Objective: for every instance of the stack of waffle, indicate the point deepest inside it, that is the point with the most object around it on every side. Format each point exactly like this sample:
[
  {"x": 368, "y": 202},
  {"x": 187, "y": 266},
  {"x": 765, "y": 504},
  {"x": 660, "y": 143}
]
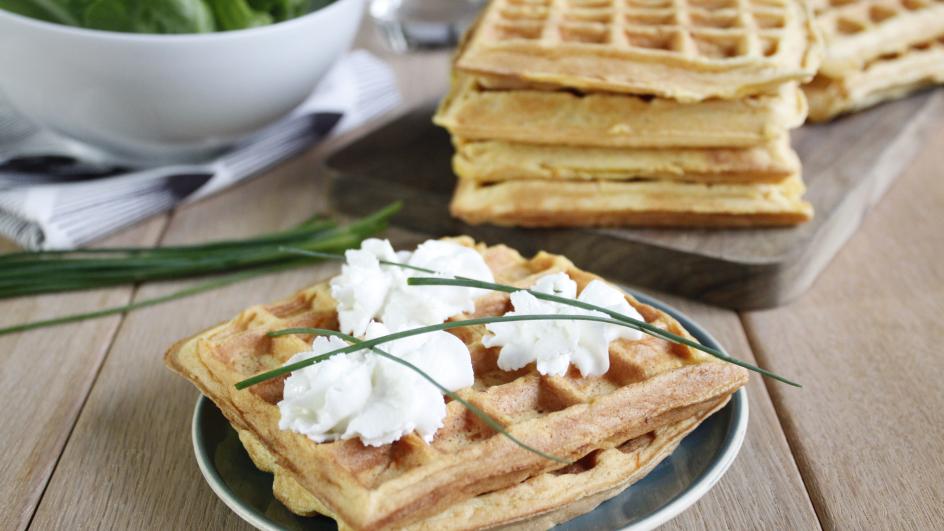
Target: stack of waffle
[
  {"x": 631, "y": 112},
  {"x": 615, "y": 428},
  {"x": 876, "y": 50}
]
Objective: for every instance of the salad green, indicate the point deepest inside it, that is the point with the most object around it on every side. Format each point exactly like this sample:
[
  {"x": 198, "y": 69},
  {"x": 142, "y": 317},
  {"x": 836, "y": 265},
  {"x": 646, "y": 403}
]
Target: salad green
[{"x": 163, "y": 16}]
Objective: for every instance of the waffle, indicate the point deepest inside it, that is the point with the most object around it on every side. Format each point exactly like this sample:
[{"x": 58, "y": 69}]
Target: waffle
[
  {"x": 857, "y": 32},
  {"x": 473, "y": 112},
  {"x": 643, "y": 203},
  {"x": 889, "y": 77},
  {"x": 688, "y": 50},
  {"x": 651, "y": 385},
  {"x": 536, "y": 503},
  {"x": 496, "y": 161}
]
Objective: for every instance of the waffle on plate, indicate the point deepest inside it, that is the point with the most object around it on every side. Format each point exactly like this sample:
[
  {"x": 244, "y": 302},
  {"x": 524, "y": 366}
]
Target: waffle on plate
[
  {"x": 615, "y": 427},
  {"x": 688, "y": 50}
]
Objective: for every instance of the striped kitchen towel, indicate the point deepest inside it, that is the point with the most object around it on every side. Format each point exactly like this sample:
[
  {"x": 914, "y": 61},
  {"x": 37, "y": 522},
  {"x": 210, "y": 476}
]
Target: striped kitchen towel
[{"x": 64, "y": 212}]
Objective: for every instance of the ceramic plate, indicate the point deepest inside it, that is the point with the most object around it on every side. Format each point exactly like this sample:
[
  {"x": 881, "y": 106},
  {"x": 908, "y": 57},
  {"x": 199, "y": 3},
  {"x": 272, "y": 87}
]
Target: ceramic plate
[{"x": 674, "y": 485}]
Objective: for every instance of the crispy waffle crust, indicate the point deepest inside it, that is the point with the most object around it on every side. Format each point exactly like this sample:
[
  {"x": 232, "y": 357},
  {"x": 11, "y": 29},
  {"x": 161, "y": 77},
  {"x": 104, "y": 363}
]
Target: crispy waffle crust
[
  {"x": 536, "y": 203},
  {"x": 889, "y": 77},
  {"x": 653, "y": 394},
  {"x": 496, "y": 161},
  {"x": 688, "y": 50},
  {"x": 536, "y": 503},
  {"x": 857, "y": 32},
  {"x": 473, "y": 111},
  {"x": 876, "y": 50}
]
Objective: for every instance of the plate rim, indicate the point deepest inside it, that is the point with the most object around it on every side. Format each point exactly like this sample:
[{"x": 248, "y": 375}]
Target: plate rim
[{"x": 731, "y": 446}]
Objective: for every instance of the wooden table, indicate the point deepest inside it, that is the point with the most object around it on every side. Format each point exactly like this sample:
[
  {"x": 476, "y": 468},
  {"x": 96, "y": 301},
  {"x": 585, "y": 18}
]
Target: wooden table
[{"x": 95, "y": 432}]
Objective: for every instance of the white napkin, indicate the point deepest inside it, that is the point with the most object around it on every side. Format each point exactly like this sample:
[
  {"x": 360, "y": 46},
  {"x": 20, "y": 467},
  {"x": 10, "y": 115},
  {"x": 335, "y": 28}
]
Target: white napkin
[{"x": 359, "y": 87}]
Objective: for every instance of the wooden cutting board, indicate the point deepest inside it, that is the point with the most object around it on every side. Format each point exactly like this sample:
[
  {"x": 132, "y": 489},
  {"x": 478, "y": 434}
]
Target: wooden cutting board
[{"x": 848, "y": 165}]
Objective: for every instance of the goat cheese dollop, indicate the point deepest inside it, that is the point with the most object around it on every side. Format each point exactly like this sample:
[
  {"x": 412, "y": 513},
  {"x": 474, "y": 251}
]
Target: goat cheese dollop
[
  {"x": 362, "y": 394},
  {"x": 554, "y": 345},
  {"x": 368, "y": 290}
]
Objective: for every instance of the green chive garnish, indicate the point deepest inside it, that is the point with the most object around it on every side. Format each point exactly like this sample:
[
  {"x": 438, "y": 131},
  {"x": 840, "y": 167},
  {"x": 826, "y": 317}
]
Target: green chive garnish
[
  {"x": 37, "y": 272},
  {"x": 642, "y": 326},
  {"x": 625, "y": 320},
  {"x": 31, "y": 273}
]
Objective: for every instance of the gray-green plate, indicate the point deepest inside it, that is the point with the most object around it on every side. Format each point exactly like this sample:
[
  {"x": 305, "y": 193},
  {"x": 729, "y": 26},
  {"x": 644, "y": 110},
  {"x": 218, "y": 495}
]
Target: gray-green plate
[{"x": 674, "y": 485}]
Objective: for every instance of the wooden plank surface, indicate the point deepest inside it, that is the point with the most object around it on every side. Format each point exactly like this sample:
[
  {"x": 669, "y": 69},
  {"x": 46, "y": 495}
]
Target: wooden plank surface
[
  {"x": 45, "y": 376},
  {"x": 868, "y": 429}
]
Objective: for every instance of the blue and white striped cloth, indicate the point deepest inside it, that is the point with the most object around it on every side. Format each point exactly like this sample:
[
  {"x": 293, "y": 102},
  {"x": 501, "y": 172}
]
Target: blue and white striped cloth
[{"x": 67, "y": 215}]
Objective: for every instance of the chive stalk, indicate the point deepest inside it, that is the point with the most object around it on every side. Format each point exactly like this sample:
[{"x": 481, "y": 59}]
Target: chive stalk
[{"x": 61, "y": 271}]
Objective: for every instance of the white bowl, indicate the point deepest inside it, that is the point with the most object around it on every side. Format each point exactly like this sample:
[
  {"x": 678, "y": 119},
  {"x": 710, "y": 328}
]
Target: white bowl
[{"x": 163, "y": 97}]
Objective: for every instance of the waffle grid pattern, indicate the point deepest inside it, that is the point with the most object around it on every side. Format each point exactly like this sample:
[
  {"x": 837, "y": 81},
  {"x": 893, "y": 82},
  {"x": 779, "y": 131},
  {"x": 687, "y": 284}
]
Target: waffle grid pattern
[
  {"x": 687, "y": 50},
  {"x": 397, "y": 480},
  {"x": 856, "y": 32},
  {"x": 702, "y": 30},
  {"x": 886, "y": 77},
  {"x": 851, "y": 17}
]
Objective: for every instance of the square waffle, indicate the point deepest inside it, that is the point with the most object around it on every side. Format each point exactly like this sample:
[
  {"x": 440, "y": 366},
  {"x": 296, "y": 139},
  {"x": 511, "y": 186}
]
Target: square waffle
[
  {"x": 652, "y": 385},
  {"x": 474, "y": 112},
  {"x": 539, "y": 502},
  {"x": 891, "y": 76},
  {"x": 688, "y": 50},
  {"x": 496, "y": 161},
  {"x": 857, "y": 32},
  {"x": 535, "y": 203}
]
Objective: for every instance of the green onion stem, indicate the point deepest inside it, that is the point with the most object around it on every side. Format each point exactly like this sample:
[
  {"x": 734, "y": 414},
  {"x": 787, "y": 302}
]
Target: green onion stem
[
  {"x": 642, "y": 326},
  {"x": 334, "y": 256},
  {"x": 260, "y": 260},
  {"x": 33, "y": 273},
  {"x": 186, "y": 292},
  {"x": 304, "y": 230},
  {"x": 369, "y": 343},
  {"x": 483, "y": 416}
]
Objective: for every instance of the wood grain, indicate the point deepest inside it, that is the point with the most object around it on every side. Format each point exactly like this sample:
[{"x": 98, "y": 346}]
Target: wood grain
[
  {"x": 46, "y": 375},
  {"x": 846, "y": 166},
  {"x": 868, "y": 428}
]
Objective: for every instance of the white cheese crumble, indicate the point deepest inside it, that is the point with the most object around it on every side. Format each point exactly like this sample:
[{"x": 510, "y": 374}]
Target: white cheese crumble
[
  {"x": 367, "y": 290},
  {"x": 554, "y": 345},
  {"x": 364, "y": 395}
]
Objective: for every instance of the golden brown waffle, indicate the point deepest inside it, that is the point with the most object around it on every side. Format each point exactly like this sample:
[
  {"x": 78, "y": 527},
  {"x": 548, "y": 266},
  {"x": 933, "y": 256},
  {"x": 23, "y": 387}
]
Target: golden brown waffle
[
  {"x": 641, "y": 203},
  {"x": 651, "y": 385},
  {"x": 688, "y": 50},
  {"x": 889, "y": 77},
  {"x": 496, "y": 161},
  {"x": 857, "y": 32},
  {"x": 536, "y": 503},
  {"x": 598, "y": 119}
]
